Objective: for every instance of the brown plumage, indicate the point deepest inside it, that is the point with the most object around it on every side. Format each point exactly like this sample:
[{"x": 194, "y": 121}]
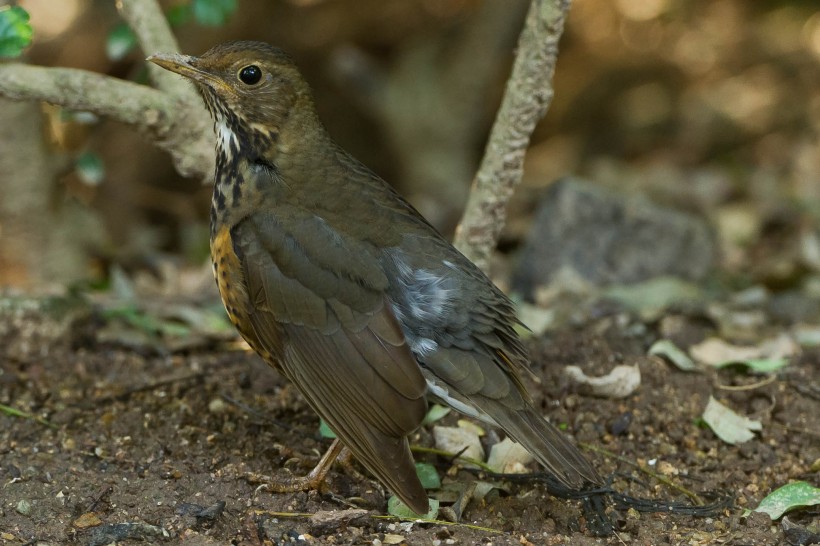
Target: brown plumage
[{"x": 342, "y": 286}]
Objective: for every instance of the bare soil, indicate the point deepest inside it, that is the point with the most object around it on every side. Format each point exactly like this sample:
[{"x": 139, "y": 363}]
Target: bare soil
[{"x": 158, "y": 448}]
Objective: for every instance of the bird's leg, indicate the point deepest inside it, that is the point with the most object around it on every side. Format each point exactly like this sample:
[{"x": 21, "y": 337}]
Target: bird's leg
[
  {"x": 346, "y": 460},
  {"x": 313, "y": 480}
]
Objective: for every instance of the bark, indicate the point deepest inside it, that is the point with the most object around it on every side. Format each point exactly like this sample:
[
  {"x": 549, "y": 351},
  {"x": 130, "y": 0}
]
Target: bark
[
  {"x": 42, "y": 239},
  {"x": 526, "y": 99}
]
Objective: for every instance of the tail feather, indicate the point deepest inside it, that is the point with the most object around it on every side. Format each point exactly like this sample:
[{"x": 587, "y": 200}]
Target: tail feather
[{"x": 546, "y": 443}]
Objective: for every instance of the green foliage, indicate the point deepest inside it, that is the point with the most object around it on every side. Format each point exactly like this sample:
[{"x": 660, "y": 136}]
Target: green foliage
[
  {"x": 90, "y": 168},
  {"x": 325, "y": 431},
  {"x": 428, "y": 476},
  {"x": 213, "y": 13},
  {"x": 668, "y": 350},
  {"x": 435, "y": 413},
  {"x": 15, "y": 31},
  {"x": 400, "y": 510},
  {"x": 788, "y": 497},
  {"x": 145, "y": 322},
  {"x": 178, "y": 15},
  {"x": 121, "y": 40},
  {"x": 758, "y": 365}
]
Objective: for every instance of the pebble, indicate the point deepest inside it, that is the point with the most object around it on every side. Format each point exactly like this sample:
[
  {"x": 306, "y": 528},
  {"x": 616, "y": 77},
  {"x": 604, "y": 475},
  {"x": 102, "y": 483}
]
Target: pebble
[{"x": 23, "y": 507}]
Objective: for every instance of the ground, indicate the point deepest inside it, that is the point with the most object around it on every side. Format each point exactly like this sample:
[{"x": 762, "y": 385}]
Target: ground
[{"x": 158, "y": 446}]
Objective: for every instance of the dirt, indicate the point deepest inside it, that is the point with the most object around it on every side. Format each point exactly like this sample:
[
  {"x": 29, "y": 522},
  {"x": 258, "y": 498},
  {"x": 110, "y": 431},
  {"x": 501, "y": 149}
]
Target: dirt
[{"x": 144, "y": 447}]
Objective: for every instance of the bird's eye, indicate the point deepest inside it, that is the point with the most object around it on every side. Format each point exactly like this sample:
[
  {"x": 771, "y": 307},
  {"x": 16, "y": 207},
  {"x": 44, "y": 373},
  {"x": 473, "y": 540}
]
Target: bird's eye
[{"x": 250, "y": 74}]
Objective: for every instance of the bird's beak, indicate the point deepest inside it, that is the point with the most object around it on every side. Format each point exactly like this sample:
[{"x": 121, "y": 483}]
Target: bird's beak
[{"x": 185, "y": 65}]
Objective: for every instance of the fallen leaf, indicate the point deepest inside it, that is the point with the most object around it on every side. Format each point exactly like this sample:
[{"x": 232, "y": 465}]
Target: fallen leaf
[
  {"x": 397, "y": 508},
  {"x": 763, "y": 358},
  {"x": 89, "y": 519},
  {"x": 790, "y": 496},
  {"x": 668, "y": 350},
  {"x": 459, "y": 440},
  {"x": 650, "y": 298},
  {"x": 728, "y": 425},
  {"x": 807, "y": 336},
  {"x": 537, "y": 319},
  {"x": 435, "y": 413},
  {"x": 509, "y": 457},
  {"x": 428, "y": 476},
  {"x": 619, "y": 383}
]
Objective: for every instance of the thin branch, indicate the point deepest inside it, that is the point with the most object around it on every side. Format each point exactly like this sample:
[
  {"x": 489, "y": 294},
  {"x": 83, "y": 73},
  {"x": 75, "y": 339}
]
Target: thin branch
[
  {"x": 177, "y": 126},
  {"x": 77, "y": 89},
  {"x": 694, "y": 497},
  {"x": 526, "y": 99},
  {"x": 154, "y": 35}
]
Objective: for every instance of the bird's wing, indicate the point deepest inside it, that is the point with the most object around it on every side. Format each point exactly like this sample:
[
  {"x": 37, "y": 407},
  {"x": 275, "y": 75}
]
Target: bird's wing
[
  {"x": 462, "y": 329},
  {"x": 317, "y": 304}
]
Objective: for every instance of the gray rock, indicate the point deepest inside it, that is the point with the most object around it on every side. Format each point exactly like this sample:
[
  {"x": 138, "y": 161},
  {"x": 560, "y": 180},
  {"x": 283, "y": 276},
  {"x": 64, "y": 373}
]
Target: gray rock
[{"x": 608, "y": 238}]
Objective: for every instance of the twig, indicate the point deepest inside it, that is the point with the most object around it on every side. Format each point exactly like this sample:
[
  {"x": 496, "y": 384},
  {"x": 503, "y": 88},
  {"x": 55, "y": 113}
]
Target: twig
[
  {"x": 77, "y": 89},
  {"x": 443, "y": 522},
  {"x": 175, "y": 127},
  {"x": 14, "y": 412},
  {"x": 162, "y": 382},
  {"x": 749, "y": 387},
  {"x": 393, "y": 518},
  {"x": 526, "y": 99},
  {"x": 694, "y": 497},
  {"x": 442, "y": 453},
  {"x": 154, "y": 35}
]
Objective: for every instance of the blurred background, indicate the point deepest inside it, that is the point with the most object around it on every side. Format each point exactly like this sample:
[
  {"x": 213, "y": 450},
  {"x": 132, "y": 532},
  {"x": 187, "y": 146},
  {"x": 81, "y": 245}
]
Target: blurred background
[{"x": 708, "y": 107}]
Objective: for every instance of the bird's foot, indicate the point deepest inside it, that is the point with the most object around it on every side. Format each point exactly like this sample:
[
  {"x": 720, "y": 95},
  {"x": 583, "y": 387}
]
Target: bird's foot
[
  {"x": 346, "y": 460},
  {"x": 292, "y": 484}
]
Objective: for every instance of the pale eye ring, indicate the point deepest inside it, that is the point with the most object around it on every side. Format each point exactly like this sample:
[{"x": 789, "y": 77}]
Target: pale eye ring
[{"x": 250, "y": 75}]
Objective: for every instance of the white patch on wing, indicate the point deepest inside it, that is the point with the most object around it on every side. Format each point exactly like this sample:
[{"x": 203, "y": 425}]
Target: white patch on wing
[
  {"x": 422, "y": 346},
  {"x": 429, "y": 295},
  {"x": 441, "y": 393}
]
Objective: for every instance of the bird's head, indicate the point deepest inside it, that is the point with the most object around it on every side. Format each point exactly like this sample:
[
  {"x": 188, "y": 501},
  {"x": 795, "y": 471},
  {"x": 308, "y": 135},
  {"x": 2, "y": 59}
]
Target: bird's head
[{"x": 251, "y": 88}]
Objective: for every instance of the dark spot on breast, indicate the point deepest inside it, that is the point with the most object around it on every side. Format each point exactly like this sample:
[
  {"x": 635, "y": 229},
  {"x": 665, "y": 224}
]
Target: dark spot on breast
[{"x": 219, "y": 199}]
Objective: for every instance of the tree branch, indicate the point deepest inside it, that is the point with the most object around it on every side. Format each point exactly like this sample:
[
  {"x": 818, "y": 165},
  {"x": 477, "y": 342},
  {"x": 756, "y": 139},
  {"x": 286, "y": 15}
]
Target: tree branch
[
  {"x": 176, "y": 126},
  {"x": 526, "y": 99},
  {"x": 154, "y": 35}
]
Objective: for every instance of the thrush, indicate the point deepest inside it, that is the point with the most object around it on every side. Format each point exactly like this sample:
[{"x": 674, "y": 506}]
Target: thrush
[{"x": 343, "y": 287}]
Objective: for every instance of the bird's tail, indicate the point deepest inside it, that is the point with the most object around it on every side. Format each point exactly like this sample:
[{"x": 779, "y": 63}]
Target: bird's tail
[{"x": 547, "y": 444}]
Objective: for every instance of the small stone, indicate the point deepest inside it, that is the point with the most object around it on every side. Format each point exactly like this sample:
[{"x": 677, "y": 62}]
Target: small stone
[
  {"x": 23, "y": 507},
  {"x": 217, "y": 405},
  {"x": 89, "y": 519},
  {"x": 606, "y": 237}
]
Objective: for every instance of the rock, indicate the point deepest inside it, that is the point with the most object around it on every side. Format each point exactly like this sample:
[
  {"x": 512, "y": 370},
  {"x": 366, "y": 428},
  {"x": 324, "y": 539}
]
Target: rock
[{"x": 608, "y": 238}]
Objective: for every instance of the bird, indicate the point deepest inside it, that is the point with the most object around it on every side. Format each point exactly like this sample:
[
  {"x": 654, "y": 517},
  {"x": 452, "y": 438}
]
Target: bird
[{"x": 338, "y": 283}]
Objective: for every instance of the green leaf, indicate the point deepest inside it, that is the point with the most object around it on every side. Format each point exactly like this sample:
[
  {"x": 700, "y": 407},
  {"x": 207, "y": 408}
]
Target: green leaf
[
  {"x": 15, "y": 31},
  {"x": 789, "y": 497},
  {"x": 213, "y": 13},
  {"x": 668, "y": 350},
  {"x": 120, "y": 41},
  {"x": 428, "y": 476},
  {"x": 400, "y": 510},
  {"x": 325, "y": 431},
  {"x": 178, "y": 15},
  {"x": 758, "y": 365},
  {"x": 144, "y": 322},
  {"x": 728, "y": 425},
  {"x": 650, "y": 298},
  {"x": 435, "y": 413},
  {"x": 90, "y": 168}
]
